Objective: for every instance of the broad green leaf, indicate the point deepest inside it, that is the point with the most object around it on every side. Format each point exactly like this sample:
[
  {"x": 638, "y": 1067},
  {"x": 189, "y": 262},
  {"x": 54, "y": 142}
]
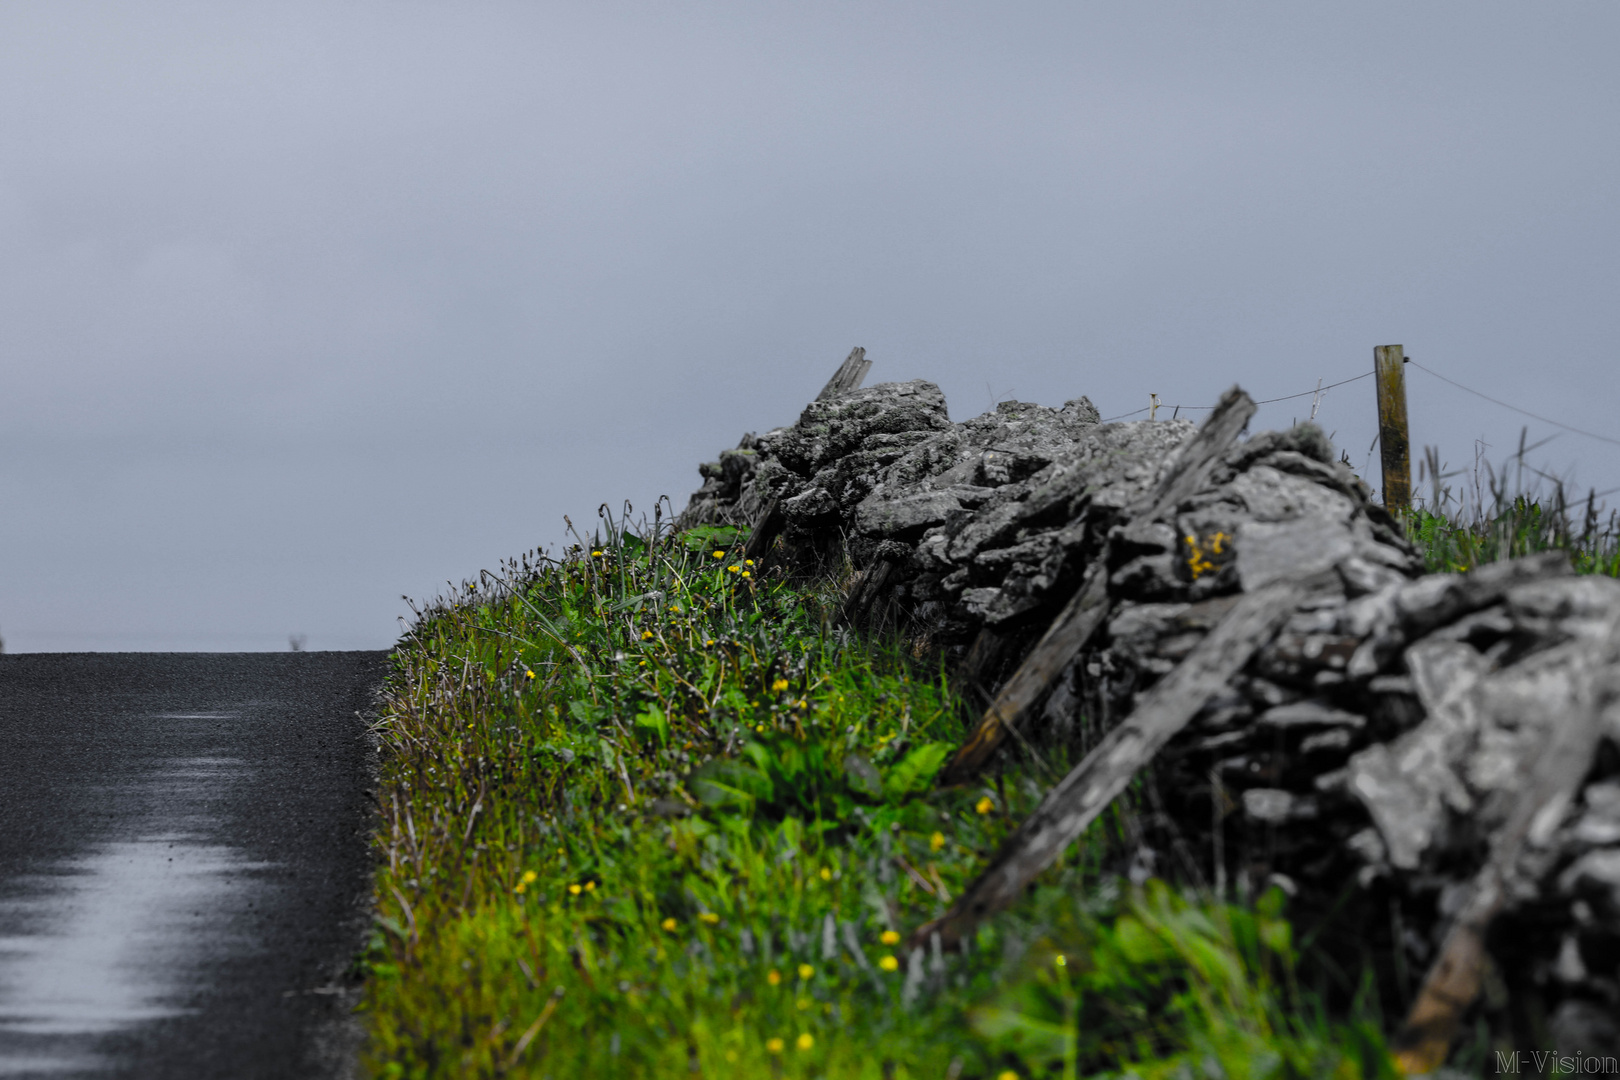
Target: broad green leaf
[
  {"x": 653, "y": 721},
  {"x": 707, "y": 537},
  {"x": 916, "y": 771}
]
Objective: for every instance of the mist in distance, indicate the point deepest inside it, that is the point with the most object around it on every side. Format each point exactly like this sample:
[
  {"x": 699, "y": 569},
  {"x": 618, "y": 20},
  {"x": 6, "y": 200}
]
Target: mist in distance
[{"x": 306, "y": 306}]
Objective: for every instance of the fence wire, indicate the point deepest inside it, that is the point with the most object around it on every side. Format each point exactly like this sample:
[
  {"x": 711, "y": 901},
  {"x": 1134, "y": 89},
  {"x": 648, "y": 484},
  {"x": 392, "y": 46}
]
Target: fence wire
[{"x": 1175, "y": 409}]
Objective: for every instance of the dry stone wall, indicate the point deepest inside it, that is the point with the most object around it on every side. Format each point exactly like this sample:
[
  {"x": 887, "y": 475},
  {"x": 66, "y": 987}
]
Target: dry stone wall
[{"x": 1379, "y": 743}]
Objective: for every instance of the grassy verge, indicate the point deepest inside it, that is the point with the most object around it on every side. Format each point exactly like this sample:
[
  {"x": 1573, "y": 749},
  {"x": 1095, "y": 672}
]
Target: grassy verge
[{"x": 649, "y": 814}]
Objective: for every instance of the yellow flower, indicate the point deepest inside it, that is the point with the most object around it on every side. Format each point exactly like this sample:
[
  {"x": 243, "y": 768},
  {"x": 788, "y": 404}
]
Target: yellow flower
[
  {"x": 779, "y": 685},
  {"x": 1008, "y": 1075},
  {"x": 527, "y": 674},
  {"x": 826, "y": 874},
  {"x": 806, "y": 1041},
  {"x": 747, "y": 574},
  {"x": 709, "y": 641},
  {"x": 719, "y": 554},
  {"x": 889, "y": 937},
  {"x": 749, "y": 562},
  {"x": 775, "y": 1046},
  {"x": 519, "y": 887},
  {"x": 669, "y": 925},
  {"x": 1060, "y": 960},
  {"x": 573, "y": 890},
  {"x": 889, "y": 963},
  {"x": 984, "y": 805},
  {"x": 675, "y": 608},
  {"x": 709, "y": 917},
  {"x": 773, "y": 977},
  {"x": 806, "y": 971},
  {"x": 734, "y": 569},
  {"x": 759, "y": 727},
  {"x": 936, "y": 841},
  {"x": 646, "y": 635},
  {"x": 529, "y": 876},
  {"x": 594, "y": 554}
]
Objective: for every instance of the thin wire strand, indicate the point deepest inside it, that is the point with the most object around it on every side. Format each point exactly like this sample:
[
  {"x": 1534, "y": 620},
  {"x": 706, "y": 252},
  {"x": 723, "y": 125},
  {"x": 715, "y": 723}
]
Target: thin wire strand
[
  {"x": 1366, "y": 374},
  {"x": 1267, "y": 401},
  {"x": 1515, "y": 408}
]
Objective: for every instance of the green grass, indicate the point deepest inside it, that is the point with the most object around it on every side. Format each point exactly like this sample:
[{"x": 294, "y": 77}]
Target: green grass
[
  {"x": 646, "y": 813},
  {"x": 1461, "y": 540},
  {"x": 1495, "y": 518}
]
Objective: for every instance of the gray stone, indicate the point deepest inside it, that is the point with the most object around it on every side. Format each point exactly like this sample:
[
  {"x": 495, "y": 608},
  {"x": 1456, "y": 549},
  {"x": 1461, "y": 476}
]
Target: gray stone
[
  {"x": 1310, "y": 713},
  {"x": 880, "y": 515},
  {"x": 1584, "y": 599},
  {"x": 980, "y": 601},
  {"x": 1368, "y": 845},
  {"x": 1336, "y": 741},
  {"x": 1409, "y": 818},
  {"x": 1596, "y": 876},
  {"x": 1270, "y": 551},
  {"x": 810, "y": 503},
  {"x": 1363, "y": 575},
  {"x": 1596, "y": 829},
  {"x": 828, "y": 430},
  {"x": 1603, "y": 798},
  {"x": 1273, "y": 496},
  {"x": 1273, "y": 806}
]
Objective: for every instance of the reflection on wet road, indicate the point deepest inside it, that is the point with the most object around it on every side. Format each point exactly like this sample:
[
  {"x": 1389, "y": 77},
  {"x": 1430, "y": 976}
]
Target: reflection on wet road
[
  {"x": 109, "y": 938},
  {"x": 169, "y": 914}
]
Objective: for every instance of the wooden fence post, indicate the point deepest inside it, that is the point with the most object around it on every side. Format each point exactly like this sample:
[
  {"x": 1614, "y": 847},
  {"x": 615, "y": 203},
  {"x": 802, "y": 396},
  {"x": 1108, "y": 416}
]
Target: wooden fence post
[{"x": 1394, "y": 445}]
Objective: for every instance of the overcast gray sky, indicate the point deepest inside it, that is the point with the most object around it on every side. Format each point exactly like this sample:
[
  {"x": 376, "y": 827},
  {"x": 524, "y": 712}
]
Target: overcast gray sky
[{"x": 307, "y": 306}]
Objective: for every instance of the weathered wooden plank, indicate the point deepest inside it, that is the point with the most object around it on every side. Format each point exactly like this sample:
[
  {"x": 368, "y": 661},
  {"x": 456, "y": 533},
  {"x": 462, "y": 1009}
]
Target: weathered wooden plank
[
  {"x": 765, "y": 532},
  {"x": 849, "y": 376},
  {"x": 1453, "y": 983},
  {"x": 1061, "y": 643},
  {"x": 1394, "y": 445},
  {"x": 1083, "y": 794},
  {"x": 864, "y": 592},
  {"x": 1089, "y": 607},
  {"x": 986, "y": 652}
]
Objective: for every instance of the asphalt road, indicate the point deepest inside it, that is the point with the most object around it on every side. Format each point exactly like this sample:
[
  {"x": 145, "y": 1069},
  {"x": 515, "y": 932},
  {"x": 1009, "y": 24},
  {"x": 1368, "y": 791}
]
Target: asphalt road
[{"x": 183, "y": 862}]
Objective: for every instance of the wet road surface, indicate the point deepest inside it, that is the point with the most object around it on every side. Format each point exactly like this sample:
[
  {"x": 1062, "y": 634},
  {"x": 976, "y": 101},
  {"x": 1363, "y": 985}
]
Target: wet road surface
[{"x": 183, "y": 862}]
